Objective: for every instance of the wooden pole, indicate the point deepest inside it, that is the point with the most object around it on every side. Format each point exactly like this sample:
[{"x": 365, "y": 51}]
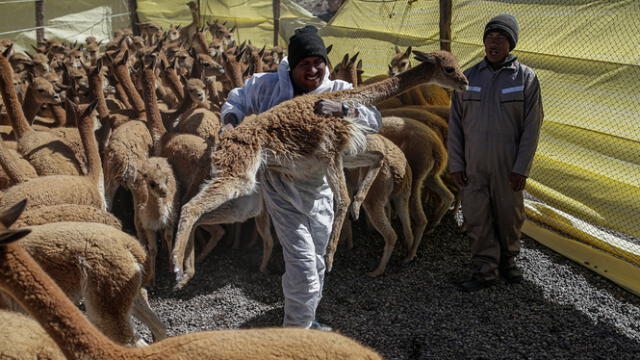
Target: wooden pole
[
  {"x": 40, "y": 22},
  {"x": 446, "y": 9},
  {"x": 276, "y": 22},
  {"x": 133, "y": 16}
]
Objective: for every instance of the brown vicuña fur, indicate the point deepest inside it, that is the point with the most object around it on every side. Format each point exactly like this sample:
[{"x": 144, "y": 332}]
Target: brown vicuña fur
[
  {"x": 300, "y": 143},
  {"x": 156, "y": 198},
  {"x": 39, "y": 92},
  {"x": 25, "y": 280},
  {"x": 66, "y": 189},
  {"x": 46, "y": 152},
  {"x": 101, "y": 266},
  {"x": 427, "y": 157},
  {"x": 433, "y": 121},
  {"x": 22, "y": 338},
  {"x": 13, "y": 168},
  {"x": 65, "y": 213},
  {"x": 392, "y": 185},
  {"x": 129, "y": 143}
]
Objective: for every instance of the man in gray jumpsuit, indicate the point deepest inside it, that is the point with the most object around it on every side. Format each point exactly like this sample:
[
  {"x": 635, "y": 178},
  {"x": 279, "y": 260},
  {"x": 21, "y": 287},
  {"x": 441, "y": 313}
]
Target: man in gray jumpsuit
[
  {"x": 493, "y": 135},
  {"x": 302, "y": 210}
]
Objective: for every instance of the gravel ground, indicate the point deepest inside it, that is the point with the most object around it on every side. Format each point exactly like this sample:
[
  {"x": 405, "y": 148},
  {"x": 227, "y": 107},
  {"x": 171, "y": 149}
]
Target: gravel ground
[{"x": 561, "y": 310}]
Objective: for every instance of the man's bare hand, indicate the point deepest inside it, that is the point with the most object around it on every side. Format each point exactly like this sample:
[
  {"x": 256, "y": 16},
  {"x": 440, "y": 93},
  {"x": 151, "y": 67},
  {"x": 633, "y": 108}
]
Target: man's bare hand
[
  {"x": 328, "y": 107},
  {"x": 460, "y": 178},
  {"x": 517, "y": 181},
  {"x": 230, "y": 119}
]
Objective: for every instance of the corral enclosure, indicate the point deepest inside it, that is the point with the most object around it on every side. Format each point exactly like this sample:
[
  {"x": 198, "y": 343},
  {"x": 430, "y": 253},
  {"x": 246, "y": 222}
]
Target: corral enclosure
[
  {"x": 584, "y": 183},
  {"x": 583, "y": 194}
]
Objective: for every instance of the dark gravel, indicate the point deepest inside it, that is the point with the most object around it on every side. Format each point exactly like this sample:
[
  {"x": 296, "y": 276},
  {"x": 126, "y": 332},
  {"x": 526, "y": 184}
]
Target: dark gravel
[{"x": 561, "y": 310}]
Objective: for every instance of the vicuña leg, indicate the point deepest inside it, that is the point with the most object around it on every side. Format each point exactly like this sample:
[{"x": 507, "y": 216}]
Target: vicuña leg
[
  {"x": 371, "y": 160},
  {"x": 212, "y": 196},
  {"x": 338, "y": 184}
]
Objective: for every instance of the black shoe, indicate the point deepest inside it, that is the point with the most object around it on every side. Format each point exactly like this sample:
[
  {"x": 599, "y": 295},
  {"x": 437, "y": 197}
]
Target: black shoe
[
  {"x": 476, "y": 283},
  {"x": 512, "y": 275},
  {"x": 317, "y": 326}
]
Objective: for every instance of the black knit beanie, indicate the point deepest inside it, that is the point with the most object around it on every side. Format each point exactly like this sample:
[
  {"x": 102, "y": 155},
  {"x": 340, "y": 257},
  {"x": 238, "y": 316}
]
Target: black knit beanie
[
  {"x": 304, "y": 43},
  {"x": 505, "y": 24}
]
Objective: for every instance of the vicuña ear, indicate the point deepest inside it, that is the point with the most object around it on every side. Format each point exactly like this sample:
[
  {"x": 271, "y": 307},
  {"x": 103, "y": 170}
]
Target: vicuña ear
[
  {"x": 9, "y": 236},
  {"x": 345, "y": 60},
  {"x": 424, "y": 57},
  {"x": 7, "y": 51},
  {"x": 354, "y": 57},
  {"x": 9, "y": 216},
  {"x": 408, "y": 52}
]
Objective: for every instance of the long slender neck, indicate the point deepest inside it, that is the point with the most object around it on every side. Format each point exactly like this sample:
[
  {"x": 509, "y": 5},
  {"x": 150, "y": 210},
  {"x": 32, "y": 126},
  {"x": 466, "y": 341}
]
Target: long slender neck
[
  {"x": 372, "y": 93},
  {"x": 10, "y": 99},
  {"x": 154, "y": 119},
  {"x": 96, "y": 82},
  {"x": 173, "y": 81},
  {"x": 122, "y": 95},
  {"x": 122, "y": 73},
  {"x": 25, "y": 280},
  {"x": 234, "y": 73},
  {"x": 88, "y": 137},
  {"x": 31, "y": 105},
  {"x": 214, "y": 96},
  {"x": 59, "y": 115}
]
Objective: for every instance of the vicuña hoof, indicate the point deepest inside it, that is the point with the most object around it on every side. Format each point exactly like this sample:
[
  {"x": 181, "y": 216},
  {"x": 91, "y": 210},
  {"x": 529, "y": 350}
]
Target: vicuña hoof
[
  {"x": 375, "y": 273},
  {"x": 408, "y": 259},
  {"x": 355, "y": 209}
]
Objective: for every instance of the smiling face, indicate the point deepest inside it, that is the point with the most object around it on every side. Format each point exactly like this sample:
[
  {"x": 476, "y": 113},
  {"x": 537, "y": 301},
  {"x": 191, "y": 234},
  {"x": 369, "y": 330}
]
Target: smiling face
[
  {"x": 309, "y": 73},
  {"x": 496, "y": 47}
]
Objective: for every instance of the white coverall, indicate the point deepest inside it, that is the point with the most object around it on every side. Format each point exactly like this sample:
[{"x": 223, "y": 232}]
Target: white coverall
[{"x": 301, "y": 212}]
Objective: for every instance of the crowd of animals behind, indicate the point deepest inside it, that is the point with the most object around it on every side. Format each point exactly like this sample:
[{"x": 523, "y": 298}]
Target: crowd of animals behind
[{"x": 79, "y": 123}]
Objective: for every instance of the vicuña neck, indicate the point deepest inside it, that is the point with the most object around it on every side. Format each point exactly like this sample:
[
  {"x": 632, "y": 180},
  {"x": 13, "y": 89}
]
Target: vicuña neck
[
  {"x": 31, "y": 105},
  {"x": 154, "y": 119},
  {"x": 381, "y": 90},
  {"x": 88, "y": 138},
  {"x": 122, "y": 74},
  {"x": 97, "y": 88},
  {"x": 11, "y": 102},
  {"x": 43, "y": 299}
]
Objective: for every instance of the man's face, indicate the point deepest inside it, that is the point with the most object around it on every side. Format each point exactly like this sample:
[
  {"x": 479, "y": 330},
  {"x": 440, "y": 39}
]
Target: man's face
[
  {"x": 309, "y": 73},
  {"x": 496, "y": 47}
]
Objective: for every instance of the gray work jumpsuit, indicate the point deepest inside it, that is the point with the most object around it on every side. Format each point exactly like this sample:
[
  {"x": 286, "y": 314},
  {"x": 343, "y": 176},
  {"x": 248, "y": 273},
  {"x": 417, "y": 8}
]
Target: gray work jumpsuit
[{"x": 493, "y": 131}]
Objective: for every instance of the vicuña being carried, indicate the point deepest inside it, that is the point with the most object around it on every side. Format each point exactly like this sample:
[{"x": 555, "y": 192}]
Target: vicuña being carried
[{"x": 292, "y": 139}]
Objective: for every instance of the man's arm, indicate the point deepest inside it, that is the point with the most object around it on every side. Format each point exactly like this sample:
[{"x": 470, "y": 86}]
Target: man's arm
[
  {"x": 533, "y": 115},
  {"x": 369, "y": 116},
  {"x": 238, "y": 103}
]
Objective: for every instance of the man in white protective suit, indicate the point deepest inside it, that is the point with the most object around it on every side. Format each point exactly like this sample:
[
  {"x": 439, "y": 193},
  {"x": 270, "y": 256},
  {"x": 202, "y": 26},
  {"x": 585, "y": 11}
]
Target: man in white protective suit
[{"x": 301, "y": 211}]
